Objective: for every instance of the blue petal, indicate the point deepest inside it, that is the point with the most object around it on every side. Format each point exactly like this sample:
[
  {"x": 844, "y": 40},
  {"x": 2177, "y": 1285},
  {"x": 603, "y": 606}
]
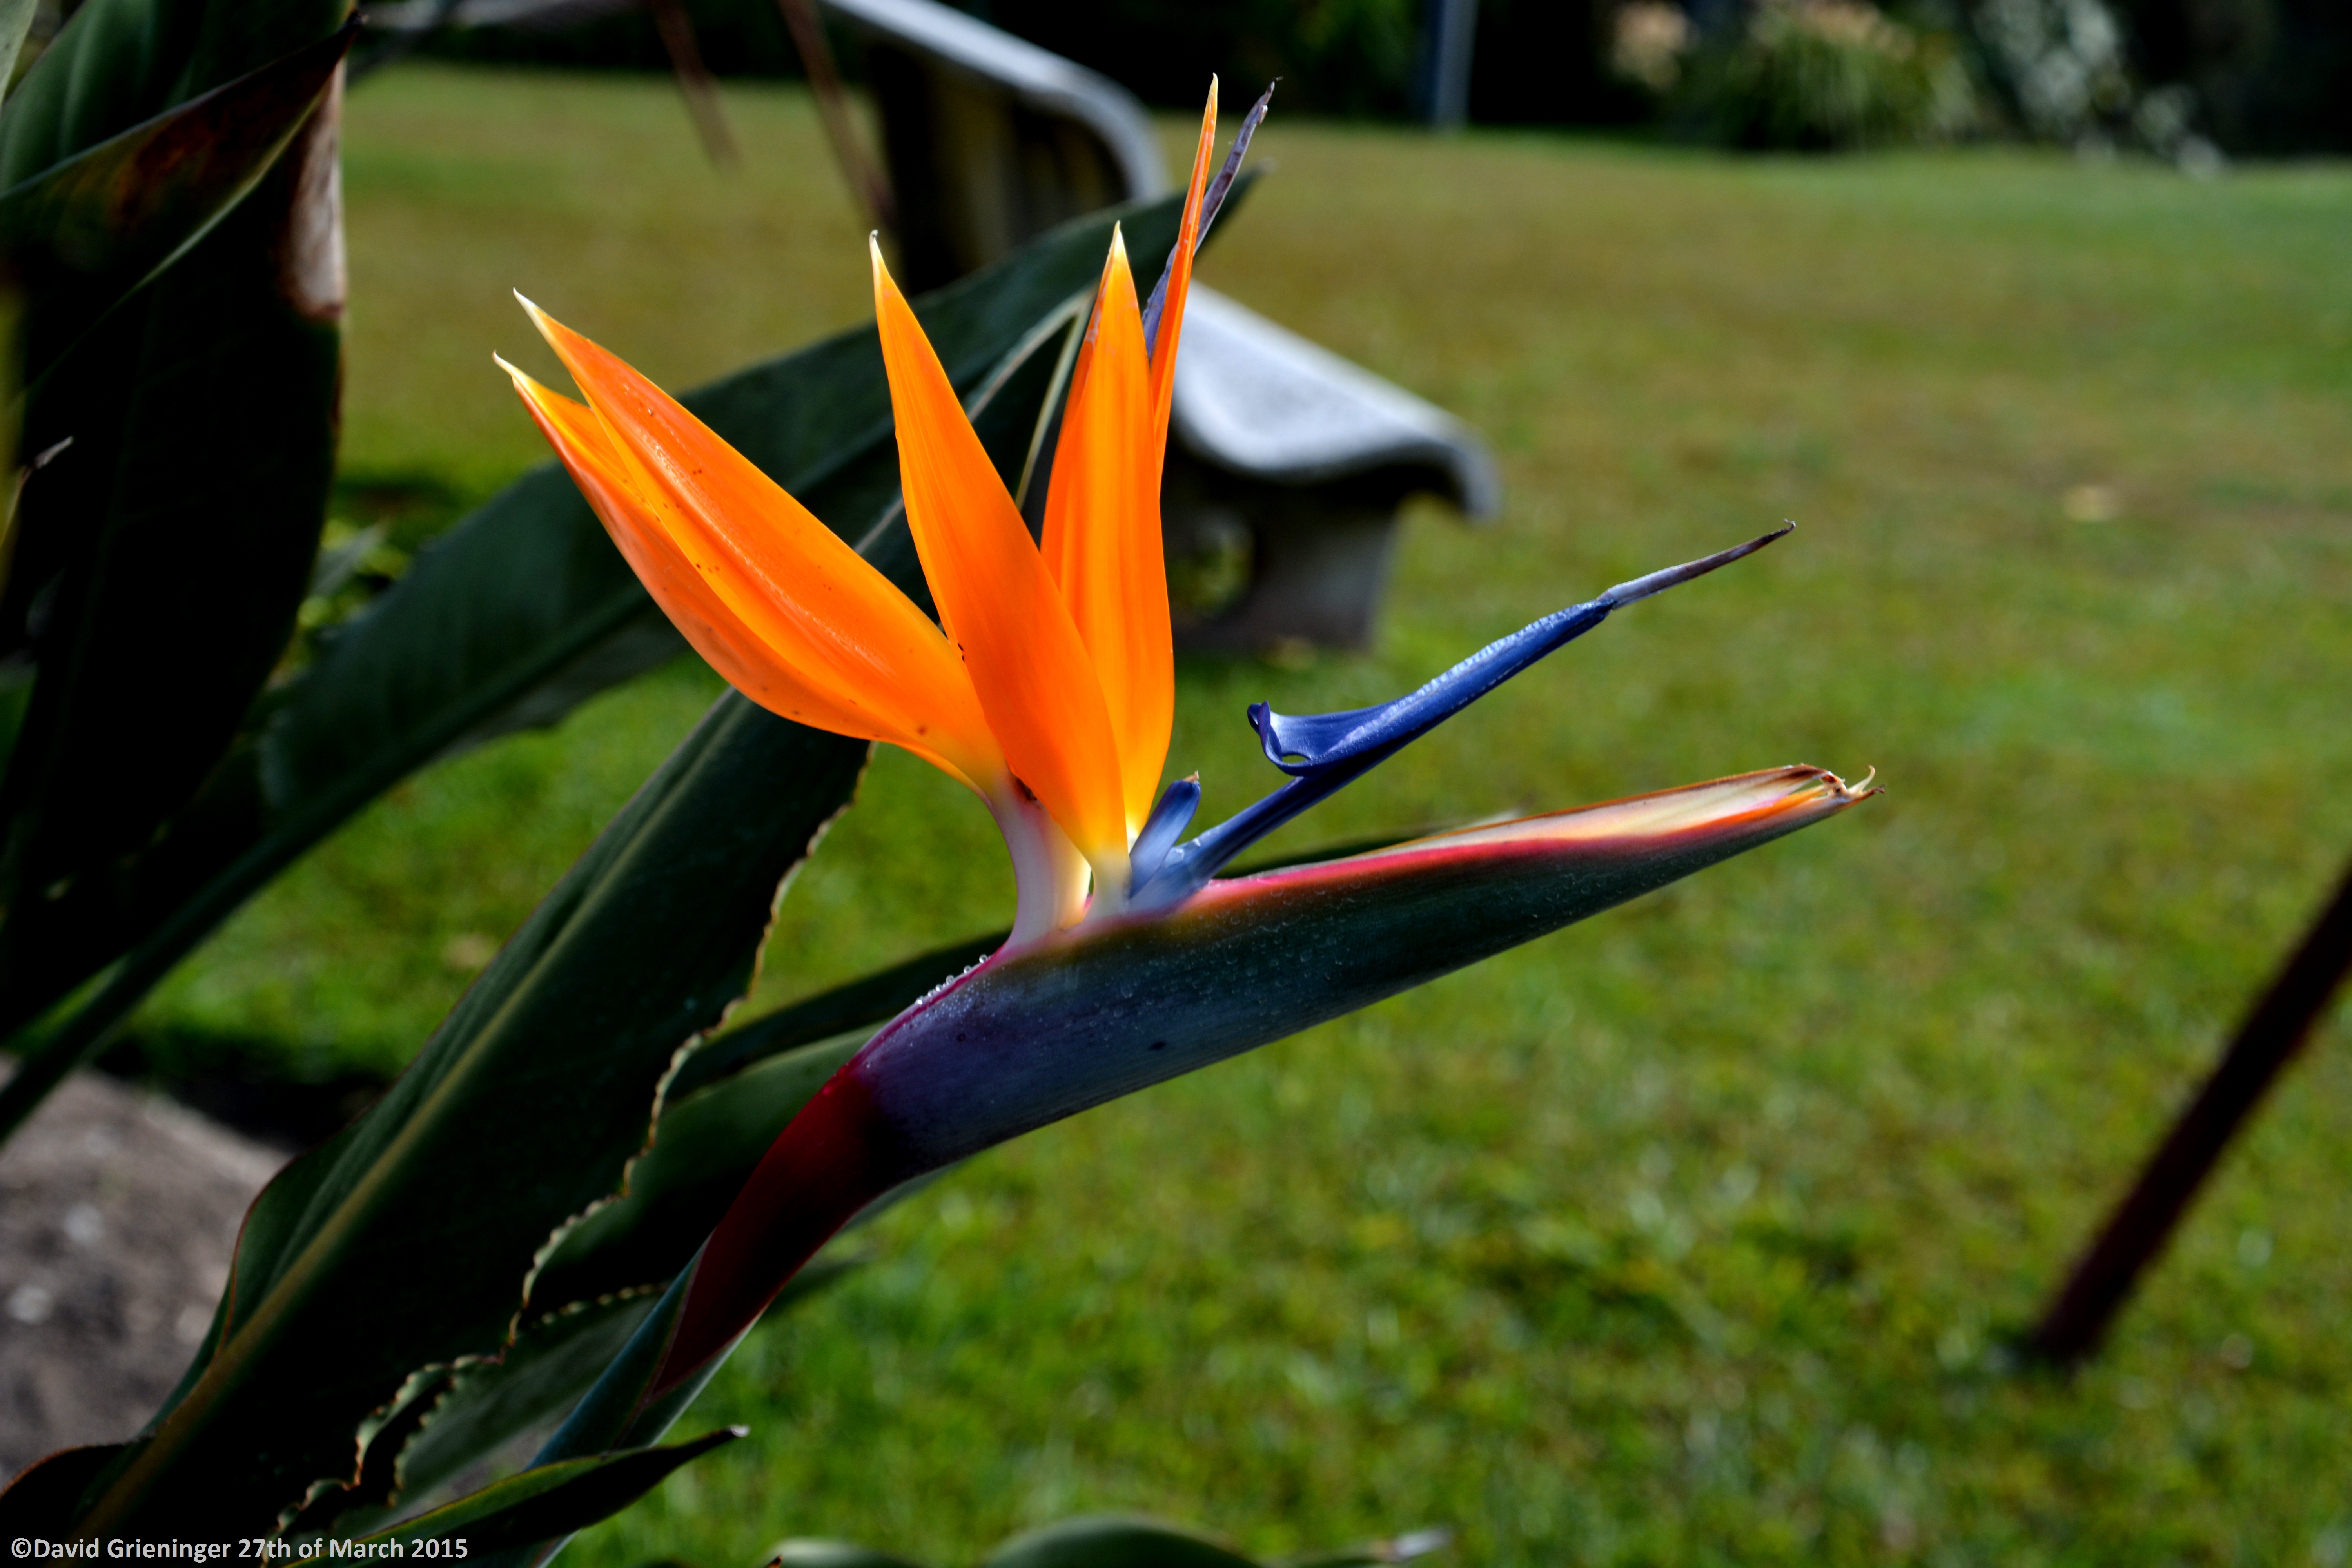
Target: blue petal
[
  {"x": 1163, "y": 829},
  {"x": 1210, "y": 200},
  {"x": 1324, "y": 752}
]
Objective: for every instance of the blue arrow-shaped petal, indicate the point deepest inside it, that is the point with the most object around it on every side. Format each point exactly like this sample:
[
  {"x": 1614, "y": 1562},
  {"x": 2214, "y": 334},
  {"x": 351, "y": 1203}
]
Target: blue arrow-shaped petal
[{"x": 1325, "y": 751}]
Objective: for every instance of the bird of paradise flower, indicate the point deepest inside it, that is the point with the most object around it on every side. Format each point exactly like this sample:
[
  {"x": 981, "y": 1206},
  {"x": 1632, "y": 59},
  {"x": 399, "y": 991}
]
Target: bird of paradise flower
[{"x": 1047, "y": 688}]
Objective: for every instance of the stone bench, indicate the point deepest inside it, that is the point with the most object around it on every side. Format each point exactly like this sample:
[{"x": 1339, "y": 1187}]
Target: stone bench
[{"x": 1289, "y": 463}]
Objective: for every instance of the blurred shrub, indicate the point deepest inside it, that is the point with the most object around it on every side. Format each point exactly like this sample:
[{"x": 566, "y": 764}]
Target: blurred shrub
[
  {"x": 1648, "y": 43},
  {"x": 1808, "y": 75}
]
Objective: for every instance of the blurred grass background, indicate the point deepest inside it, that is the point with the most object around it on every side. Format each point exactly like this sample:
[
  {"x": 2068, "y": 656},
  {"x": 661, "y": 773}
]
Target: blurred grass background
[{"x": 1685, "y": 1236}]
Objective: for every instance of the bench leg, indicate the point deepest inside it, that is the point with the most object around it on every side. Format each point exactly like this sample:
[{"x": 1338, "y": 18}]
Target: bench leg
[{"x": 1316, "y": 568}]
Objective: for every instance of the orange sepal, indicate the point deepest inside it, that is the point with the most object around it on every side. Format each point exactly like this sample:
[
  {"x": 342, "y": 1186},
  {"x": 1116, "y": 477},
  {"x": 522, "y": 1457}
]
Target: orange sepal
[
  {"x": 1102, "y": 536},
  {"x": 837, "y": 633},
  {"x": 1035, "y": 679},
  {"x": 714, "y": 630}
]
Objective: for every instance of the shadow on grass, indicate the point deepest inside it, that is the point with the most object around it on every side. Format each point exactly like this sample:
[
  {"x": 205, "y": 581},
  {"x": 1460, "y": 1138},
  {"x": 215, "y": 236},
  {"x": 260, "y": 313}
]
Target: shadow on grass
[{"x": 254, "y": 1084}]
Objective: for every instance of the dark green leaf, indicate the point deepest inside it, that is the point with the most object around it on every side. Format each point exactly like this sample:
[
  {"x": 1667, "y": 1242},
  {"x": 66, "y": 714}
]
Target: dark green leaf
[
  {"x": 16, "y": 21},
  {"x": 551, "y": 1362},
  {"x": 859, "y": 1004},
  {"x": 159, "y": 560},
  {"x": 551, "y": 1501},
  {"x": 403, "y": 1242},
  {"x": 117, "y": 63},
  {"x": 704, "y": 1147},
  {"x": 77, "y": 237}
]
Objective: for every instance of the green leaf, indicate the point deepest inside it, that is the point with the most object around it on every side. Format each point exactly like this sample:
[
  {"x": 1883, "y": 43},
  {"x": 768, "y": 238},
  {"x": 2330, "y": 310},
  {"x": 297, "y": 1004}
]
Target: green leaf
[
  {"x": 404, "y": 1241},
  {"x": 520, "y": 612},
  {"x": 81, "y": 235},
  {"x": 727, "y": 1101},
  {"x": 1114, "y": 1541},
  {"x": 704, "y": 1146},
  {"x": 602, "y": 1272},
  {"x": 117, "y": 63},
  {"x": 859, "y": 1004},
  {"x": 159, "y": 560},
  {"x": 551, "y": 1501},
  {"x": 552, "y": 1361},
  {"x": 490, "y": 1405},
  {"x": 15, "y": 22}
]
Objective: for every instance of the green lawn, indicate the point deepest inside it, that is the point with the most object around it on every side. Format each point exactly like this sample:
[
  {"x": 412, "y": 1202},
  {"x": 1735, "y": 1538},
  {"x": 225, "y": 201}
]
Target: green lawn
[{"x": 1685, "y": 1236}]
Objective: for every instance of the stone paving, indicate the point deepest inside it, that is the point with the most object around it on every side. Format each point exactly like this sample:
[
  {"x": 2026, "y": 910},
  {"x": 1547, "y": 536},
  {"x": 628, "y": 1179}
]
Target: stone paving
[{"x": 118, "y": 1212}]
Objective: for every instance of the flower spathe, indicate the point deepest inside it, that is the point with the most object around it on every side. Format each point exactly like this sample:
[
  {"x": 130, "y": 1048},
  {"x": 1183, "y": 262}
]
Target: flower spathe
[
  {"x": 1049, "y": 685},
  {"x": 1088, "y": 1015}
]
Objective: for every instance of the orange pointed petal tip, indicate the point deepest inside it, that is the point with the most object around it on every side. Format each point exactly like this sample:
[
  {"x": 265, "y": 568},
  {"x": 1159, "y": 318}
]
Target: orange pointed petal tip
[
  {"x": 792, "y": 616},
  {"x": 1035, "y": 680},
  {"x": 729, "y": 646}
]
